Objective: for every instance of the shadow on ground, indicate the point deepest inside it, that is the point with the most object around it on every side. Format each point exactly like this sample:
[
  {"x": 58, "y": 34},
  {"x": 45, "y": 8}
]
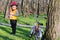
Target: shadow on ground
[
  {"x": 20, "y": 33},
  {"x": 5, "y": 38}
]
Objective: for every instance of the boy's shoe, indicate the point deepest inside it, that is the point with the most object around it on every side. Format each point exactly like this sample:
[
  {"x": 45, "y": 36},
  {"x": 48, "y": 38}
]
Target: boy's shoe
[
  {"x": 30, "y": 35},
  {"x": 12, "y": 33}
]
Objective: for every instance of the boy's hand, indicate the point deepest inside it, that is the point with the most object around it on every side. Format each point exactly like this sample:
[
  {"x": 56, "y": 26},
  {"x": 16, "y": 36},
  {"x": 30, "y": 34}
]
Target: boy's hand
[
  {"x": 11, "y": 13},
  {"x": 10, "y": 16},
  {"x": 36, "y": 30}
]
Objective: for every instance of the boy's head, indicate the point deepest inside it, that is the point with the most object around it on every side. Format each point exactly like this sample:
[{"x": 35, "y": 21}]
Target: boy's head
[
  {"x": 39, "y": 24},
  {"x": 13, "y": 5}
]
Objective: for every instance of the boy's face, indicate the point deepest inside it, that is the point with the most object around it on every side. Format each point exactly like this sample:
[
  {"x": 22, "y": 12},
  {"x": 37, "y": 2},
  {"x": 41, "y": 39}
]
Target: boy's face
[
  {"x": 38, "y": 26},
  {"x": 14, "y": 7}
]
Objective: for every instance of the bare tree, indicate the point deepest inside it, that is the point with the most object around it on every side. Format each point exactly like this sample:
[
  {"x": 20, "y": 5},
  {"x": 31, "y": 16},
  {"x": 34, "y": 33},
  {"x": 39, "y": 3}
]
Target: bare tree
[
  {"x": 7, "y": 6},
  {"x": 22, "y": 7}
]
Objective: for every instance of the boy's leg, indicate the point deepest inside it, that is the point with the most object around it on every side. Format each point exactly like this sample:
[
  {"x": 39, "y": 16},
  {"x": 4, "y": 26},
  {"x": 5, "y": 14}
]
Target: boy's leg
[
  {"x": 13, "y": 25},
  {"x": 40, "y": 34},
  {"x": 11, "y": 22},
  {"x": 31, "y": 33}
]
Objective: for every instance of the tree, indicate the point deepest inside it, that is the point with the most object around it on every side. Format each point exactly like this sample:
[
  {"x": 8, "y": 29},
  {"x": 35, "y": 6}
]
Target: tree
[
  {"x": 22, "y": 7},
  {"x": 53, "y": 22},
  {"x": 7, "y": 6},
  {"x": 38, "y": 9}
]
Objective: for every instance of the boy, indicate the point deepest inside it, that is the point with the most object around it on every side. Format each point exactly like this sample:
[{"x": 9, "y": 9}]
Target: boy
[
  {"x": 36, "y": 30},
  {"x": 13, "y": 16}
]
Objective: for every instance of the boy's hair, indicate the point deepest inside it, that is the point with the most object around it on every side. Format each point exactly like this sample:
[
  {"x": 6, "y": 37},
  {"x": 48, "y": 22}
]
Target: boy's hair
[
  {"x": 13, "y": 3},
  {"x": 40, "y": 23}
]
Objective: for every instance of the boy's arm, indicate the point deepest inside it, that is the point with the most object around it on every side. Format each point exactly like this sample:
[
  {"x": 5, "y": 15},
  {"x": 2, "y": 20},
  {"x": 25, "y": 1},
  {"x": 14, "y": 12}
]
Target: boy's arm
[
  {"x": 17, "y": 14},
  {"x": 42, "y": 27},
  {"x": 8, "y": 14},
  {"x": 33, "y": 27}
]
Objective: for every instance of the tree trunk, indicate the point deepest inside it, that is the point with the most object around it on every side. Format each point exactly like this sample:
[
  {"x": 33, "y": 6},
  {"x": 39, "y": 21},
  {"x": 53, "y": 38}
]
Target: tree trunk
[
  {"x": 53, "y": 21},
  {"x": 38, "y": 9},
  {"x": 22, "y": 7},
  {"x": 7, "y": 6}
]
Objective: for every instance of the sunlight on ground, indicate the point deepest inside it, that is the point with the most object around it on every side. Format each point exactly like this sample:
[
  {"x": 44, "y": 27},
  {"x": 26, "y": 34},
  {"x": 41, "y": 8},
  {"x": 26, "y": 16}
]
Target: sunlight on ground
[{"x": 22, "y": 34}]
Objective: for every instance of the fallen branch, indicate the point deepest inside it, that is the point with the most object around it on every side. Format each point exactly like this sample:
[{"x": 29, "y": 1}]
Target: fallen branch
[{"x": 19, "y": 25}]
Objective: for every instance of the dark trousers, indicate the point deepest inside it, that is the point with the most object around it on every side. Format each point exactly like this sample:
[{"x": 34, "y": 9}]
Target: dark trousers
[{"x": 13, "y": 26}]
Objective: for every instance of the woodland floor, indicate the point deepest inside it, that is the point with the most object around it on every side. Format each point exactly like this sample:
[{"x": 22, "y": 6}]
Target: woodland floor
[{"x": 22, "y": 33}]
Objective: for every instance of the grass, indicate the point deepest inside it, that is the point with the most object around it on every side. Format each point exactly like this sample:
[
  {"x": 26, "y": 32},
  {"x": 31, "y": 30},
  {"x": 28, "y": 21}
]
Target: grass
[
  {"x": 21, "y": 34},
  {"x": 30, "y": 20}
]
